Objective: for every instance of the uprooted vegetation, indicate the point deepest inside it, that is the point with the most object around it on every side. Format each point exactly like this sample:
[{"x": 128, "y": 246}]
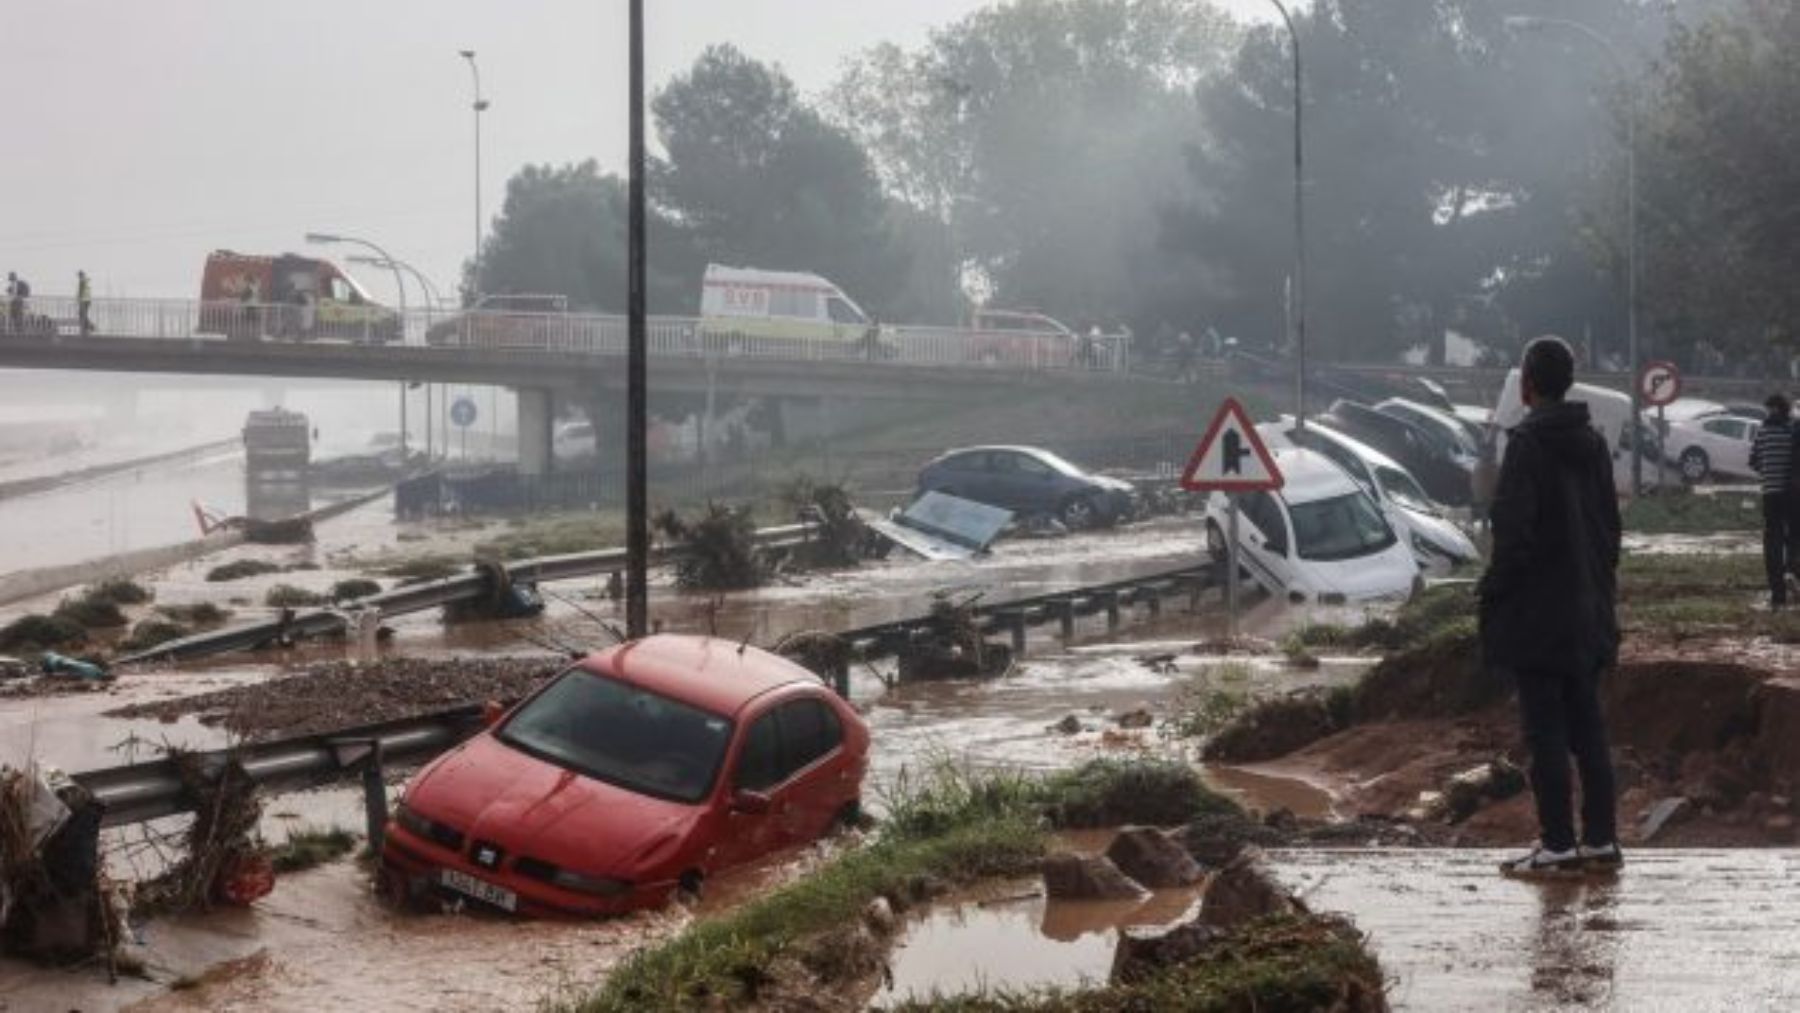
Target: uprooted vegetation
[
  {"x": 31, "y": 634},
  {"x": 307, "y": 847},
  {"x": 289, "y": 596},
  {"x": 840, "y": 537},
  {"x": 238, "y": 569},
  {"x": 200, "y": 615},
  {"x": 716, "y": 551},
  {"x": 951, "y": 645},
  {"x": 353, "y": 588},
  {"x": 813, "y": 945},
  {"x": 150, "y": 633}
]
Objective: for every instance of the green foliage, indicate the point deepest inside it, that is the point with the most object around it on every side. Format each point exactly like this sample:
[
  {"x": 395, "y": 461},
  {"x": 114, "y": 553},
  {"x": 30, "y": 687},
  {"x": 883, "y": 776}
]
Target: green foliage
[
  {"x": 1718, "y": 168},
  {"x": 352, "y": 588},
  {"x": 718, "y": 550},
  {"x": 311, "y": 846},
  {"x": 91, "y": 612},
  {"x": 241, "y": 568},
  {"x": 1693, "y": 514},
  {"x": 1201, "y": 705},
  {"x": 201, "y": 614},
  {"x": 289, "y": 596},
  {"x": 1110, "y": 792},
  {"x": 149, "y": 633},
  {"x": 32, "y": 633},
  {"x": 121, "y": 592},
  {"x": 424, "y": 569}
]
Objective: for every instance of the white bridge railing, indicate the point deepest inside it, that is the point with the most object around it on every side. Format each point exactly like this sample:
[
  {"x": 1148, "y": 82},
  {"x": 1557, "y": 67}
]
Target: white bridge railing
[{"x": 56, "y": 317}]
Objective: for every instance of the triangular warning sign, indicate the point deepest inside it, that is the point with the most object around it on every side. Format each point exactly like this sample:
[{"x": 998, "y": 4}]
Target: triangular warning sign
[{"x": 1231, "y": 456}]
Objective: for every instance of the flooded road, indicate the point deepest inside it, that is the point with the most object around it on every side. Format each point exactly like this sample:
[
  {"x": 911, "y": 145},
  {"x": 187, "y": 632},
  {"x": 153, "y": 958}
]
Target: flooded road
[{"x": 1678, "y": 930}]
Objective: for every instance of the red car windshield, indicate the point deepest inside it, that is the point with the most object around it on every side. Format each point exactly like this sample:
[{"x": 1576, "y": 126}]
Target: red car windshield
[{"x": 626, "y": 736}]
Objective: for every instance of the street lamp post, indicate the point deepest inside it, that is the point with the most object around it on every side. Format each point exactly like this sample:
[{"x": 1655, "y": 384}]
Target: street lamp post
[
  {"x": 480, "y": 106},
  {"x": 330, "y": 238},
  {"x": 1520, "y": 23},
  {"x": 1299, "y": 294},
  {"x": 637, "y": 521}
]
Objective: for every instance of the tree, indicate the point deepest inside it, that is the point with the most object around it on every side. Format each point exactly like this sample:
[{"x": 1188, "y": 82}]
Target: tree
[
  {"x": 1046, "y": 135},
  {"x": 1719, "y": 171},
  {"x": 755, "y": 177},
  {"x": 562, "y": 230}
]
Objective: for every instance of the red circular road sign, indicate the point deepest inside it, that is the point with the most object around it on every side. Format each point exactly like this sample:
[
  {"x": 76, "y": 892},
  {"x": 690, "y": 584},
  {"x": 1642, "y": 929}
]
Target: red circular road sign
[{"x": 1659, "y": 383}]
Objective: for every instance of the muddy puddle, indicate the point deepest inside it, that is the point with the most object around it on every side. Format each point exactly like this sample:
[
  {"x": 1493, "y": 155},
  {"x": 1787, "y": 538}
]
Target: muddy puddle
[
  {"x": 1688, "y": 930},
  {"x": 1010, "y": 938}
]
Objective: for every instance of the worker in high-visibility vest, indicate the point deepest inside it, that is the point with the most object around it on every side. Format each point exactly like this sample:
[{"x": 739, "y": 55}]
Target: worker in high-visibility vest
[{"x": 84, "y": 301}]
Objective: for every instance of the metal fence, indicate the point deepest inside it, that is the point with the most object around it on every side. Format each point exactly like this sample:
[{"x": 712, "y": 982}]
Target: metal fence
[{"x": 564, "y": 333}]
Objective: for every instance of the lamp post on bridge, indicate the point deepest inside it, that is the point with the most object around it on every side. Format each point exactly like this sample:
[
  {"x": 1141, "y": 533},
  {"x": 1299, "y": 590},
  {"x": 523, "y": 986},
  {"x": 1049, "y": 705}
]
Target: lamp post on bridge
[
  {"x": 432, "y": 298},
  {"x": 331, "y": 238},
  {"x": 480, "y": 106},
  {"x": 1523, "y": 23}
]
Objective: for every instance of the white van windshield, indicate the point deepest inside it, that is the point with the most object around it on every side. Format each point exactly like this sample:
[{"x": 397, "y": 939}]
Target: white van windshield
[{"x": 1343, "y": 527}]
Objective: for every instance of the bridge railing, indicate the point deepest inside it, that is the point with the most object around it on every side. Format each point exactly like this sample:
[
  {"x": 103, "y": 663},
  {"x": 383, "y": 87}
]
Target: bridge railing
[{"x": 563, "y": 333}]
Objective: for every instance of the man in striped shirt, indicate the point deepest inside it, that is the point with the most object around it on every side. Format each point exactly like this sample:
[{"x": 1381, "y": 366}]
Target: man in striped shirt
[{"x": 1772, "y": 457}]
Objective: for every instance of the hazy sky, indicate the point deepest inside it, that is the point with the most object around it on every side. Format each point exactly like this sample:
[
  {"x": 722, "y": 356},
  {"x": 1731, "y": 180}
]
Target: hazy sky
[{"x": 143, "y": 134}]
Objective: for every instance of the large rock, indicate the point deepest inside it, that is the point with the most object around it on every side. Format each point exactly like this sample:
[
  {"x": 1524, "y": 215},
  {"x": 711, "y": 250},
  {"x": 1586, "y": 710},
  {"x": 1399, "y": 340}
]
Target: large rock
[
  {"x": 1151, "y": 857},
  {"x": 1136, "y": 958},
  {"x": 1244, "y": 891},
  {"x": 1216, "y": 838},
  {"x": 1087, "y": 877}
]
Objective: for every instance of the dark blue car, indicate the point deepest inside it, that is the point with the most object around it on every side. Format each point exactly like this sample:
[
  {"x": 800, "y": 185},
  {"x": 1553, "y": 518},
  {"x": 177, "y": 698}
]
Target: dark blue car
[{"x": 1029, "y": 481}]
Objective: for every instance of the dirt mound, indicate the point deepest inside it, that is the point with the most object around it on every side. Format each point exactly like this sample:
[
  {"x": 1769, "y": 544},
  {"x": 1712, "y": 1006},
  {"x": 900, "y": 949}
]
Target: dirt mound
[
  {"x": 341, "y": 695},
  {"x": 1278, "y": 727},
  {"x": 1442, "y": 677}
]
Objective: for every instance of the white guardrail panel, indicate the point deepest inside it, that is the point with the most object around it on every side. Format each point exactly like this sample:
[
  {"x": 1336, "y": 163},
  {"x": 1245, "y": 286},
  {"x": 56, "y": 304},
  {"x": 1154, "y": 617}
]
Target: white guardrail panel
[{"x": 560, "y": 333}]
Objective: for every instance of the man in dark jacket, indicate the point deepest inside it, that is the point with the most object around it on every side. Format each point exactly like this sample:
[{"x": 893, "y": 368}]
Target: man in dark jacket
[
  {"x": 1772, "y": 458},
  {"x": 1547, "y": 609}
]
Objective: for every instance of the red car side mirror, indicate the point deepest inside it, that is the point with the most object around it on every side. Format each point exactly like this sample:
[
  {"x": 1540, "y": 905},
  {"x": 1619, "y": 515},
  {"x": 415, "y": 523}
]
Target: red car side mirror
[
  {"x": 492, "y": 712},
  {"x": 752, "y": 803}
]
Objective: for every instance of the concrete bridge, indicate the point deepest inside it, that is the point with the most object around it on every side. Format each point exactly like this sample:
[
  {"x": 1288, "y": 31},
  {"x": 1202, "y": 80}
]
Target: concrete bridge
[{"x": 547, "y": 358}]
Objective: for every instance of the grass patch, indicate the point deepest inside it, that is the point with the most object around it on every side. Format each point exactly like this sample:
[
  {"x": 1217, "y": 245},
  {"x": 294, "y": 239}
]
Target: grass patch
[
  {"x": 424, "y": 569},
  {"x": 202, "y": 614},
  {"x": 311, "y": 846},
  {"x": 1689, "y": 513},
  {"x": 238, "y": 569},
  {"x": 353, "y": 588},
  {"x": 1200, "y": 706},
  {"x": 120, "y": 592},
  {"x": 33, "y": 633},
  {"x": 1110, "y": 792},
  {"x": 288, "y": 596},
  {"x": 91, "y": 613},
  {"x": 149, "y": 633},
  {"x": 555, "y": 536},
  {"x": 1280, "y": 964}
]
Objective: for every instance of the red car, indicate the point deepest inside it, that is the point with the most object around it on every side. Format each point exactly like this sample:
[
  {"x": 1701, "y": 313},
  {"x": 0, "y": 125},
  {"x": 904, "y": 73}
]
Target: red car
[{"x": 643, "y": 769}]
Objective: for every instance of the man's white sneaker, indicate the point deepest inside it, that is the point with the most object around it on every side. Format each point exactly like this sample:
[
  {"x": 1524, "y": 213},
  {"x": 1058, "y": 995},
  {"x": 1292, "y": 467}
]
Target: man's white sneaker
[{"x": 1543, "y": 863}]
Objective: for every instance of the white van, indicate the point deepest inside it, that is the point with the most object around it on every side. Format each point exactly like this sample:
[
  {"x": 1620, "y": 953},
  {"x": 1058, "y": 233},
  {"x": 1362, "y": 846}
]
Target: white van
[
  {"x": 752, "y": 307},
  {"x": 1611, "y": 415}
]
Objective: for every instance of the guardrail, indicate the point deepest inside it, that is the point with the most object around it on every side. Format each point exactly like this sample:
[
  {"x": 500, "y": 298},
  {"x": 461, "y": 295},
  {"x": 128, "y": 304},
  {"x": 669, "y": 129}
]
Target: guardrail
[
  {"x": 595, "y": 334},
  {"x": 134, "y": 793}
]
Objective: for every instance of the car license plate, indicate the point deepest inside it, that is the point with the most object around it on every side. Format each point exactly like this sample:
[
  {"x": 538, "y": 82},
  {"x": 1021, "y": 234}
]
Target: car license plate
[{"x": 483, "y": 891}]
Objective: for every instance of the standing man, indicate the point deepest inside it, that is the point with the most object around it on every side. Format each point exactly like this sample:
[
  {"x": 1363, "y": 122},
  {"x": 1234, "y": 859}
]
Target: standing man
[
  {"x": 84, "y": 301},
  {"x": 1547, "y": 610},
  {"x": 1772, "y": 458},
  {"x": 16, "y": 291}
]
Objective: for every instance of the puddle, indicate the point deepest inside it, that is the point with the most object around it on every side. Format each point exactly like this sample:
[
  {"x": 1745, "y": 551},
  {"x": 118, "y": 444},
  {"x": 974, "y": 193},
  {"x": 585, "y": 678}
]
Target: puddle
[
  {"x": 66, "y": 730},
  {"x": 1262, "y": 790},
  {"x": 1012, "y": 939}
]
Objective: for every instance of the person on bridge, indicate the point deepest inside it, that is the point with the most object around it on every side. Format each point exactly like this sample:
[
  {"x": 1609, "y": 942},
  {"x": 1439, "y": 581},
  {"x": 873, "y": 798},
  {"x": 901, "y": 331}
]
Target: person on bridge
[
  {"x": 1547, "y": 610},
  {"x": 17, "y": 291},
  {"x": 84, "y": 302},
  {"x": 1772, "y": 458}
]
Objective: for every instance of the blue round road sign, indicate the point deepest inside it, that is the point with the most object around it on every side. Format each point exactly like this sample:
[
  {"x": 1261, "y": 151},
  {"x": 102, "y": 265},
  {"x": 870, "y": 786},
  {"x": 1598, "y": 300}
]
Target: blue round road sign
[{"x": 462, "y": 412}]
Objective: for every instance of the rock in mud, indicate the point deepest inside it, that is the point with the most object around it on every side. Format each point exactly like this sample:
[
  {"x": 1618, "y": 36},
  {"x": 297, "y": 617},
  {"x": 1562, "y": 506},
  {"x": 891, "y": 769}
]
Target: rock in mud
[
  {"x": 1153, "y": 858},
  {"x": 1216, "y": 838},
  {"x": 1139, "y": 717},
  {"x": 1087, "y": 877},
  {"x": 1244, "y": 891},
  {"x": 879, "y": 917},
  {"x": 1070, "y": 725},
  {"x": 1464, "y": 793},
  {"x": 1663, "y": 813},
  {"x": 1137, "y": 958}
]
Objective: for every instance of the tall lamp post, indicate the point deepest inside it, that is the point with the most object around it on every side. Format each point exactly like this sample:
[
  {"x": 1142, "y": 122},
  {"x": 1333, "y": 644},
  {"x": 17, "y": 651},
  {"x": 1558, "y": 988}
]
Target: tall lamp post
[
  {"x": 637, "y": 522},
  {"x": 1524, "y": 23},
  {"x": 480, "y": 106},
  {"x": 331, "y": 238},
  {"x": 1299, "y": 294}
]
